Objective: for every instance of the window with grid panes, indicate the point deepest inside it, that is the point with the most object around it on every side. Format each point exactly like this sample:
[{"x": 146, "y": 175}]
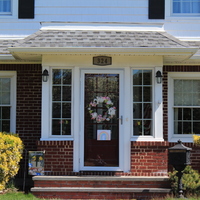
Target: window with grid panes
[
  {"x": 186, "y": 106},
  {"x": 61, "y": 101},
  {"x": 186, "y": 6},
  {"x": 5, "y": 104},
  {"x": 142, "y": 102}
]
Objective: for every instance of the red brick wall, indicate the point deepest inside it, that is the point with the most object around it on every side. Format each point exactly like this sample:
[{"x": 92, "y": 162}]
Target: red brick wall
[
  {"x": 149, "y": 158},
  {"x": 58, "y": 156},
  {"x": 28, "y": 113}
]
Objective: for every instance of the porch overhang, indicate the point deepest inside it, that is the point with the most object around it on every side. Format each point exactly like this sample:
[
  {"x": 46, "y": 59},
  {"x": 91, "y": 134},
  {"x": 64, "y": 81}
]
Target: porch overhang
[{"x": 168, "y": 54}]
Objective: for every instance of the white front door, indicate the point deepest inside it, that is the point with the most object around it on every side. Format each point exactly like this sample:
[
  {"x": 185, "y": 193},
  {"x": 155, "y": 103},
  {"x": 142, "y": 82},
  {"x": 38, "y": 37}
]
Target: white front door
[{"x": 101, "y": 132}]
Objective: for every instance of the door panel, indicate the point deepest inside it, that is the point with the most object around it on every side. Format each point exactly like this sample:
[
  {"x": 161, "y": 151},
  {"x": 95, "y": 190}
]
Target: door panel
[{"x": 101, "y": 125}]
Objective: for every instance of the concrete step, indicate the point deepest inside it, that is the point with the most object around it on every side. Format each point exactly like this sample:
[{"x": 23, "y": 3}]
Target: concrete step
[
  {"x": 89, "y": 189},
  {"x": 100, "y": 187}
]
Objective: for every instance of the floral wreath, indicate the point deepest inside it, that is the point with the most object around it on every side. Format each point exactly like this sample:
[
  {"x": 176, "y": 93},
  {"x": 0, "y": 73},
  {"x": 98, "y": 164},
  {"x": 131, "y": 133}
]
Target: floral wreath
[{"x": 108, "y": 115}]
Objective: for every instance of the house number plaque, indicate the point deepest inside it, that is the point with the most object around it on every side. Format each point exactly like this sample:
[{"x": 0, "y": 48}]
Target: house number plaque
[{"x": 102, "y": 60}]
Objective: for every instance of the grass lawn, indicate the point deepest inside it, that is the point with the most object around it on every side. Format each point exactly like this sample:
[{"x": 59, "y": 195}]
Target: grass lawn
[
  {"x": 18, "y": 196},
  {"x": 21, "y": 196}
]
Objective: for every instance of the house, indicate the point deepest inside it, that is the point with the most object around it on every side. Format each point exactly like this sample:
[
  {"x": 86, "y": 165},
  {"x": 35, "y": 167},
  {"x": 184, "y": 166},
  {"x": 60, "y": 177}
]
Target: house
[{"x": 104, "y": 88}]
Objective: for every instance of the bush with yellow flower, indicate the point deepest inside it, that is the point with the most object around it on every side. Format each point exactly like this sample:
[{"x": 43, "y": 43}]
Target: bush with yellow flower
[
  {"x": 11, "y": 148},
  {"x": 196, "y": 139}
]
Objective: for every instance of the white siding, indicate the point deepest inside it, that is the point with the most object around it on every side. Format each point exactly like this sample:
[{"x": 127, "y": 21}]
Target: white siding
[{"x": 123, "y": 11}]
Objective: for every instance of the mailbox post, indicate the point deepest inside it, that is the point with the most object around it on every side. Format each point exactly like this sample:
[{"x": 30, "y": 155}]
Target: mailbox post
[{"x": 179, "y": 158}]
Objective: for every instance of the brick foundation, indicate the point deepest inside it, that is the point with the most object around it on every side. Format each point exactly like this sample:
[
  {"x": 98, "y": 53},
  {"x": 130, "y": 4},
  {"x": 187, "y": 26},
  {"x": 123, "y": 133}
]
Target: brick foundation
[
  {"x": 58, "y": 156},
  {"x": 149, "y": 158}
]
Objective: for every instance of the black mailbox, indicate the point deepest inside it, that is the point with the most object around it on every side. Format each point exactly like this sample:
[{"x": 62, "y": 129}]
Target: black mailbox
[{"x": 179, "y": 155}]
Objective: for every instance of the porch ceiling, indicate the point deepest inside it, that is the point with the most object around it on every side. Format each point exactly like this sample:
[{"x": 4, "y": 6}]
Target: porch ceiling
[{"x": 151, "y": 43}]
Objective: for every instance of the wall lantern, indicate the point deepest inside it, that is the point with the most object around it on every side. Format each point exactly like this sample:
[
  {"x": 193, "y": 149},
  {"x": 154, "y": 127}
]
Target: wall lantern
[
  {"x": 158, "y": 77},
  {"x": 45, "y": 75}
]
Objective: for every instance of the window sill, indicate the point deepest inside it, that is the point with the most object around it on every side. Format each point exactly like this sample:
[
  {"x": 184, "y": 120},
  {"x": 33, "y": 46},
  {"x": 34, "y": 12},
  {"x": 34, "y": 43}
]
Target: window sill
[
  {"x": 146, "y": 139},
  {"x": 8, "y": 16},
  {"x": 183, "y": 138}
]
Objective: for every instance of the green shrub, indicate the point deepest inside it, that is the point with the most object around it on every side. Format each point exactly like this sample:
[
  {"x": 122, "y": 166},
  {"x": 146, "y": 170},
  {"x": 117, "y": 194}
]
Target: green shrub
[
  {"x": 190, "y": 181},
  {"x": 11, "y": 148}
]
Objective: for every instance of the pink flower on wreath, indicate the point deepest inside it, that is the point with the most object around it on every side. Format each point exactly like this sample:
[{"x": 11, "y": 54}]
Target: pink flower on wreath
[{"x": 111, "y": 112}]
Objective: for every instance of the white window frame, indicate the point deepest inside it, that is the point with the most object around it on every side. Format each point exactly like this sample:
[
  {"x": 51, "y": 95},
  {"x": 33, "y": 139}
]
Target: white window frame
[
  {"x": 12, "y": 75},
  {"x": 169, "y": 12},
  {"x": 47, "y": 109},
  {"x": 157, "y": 111},
  {"x": 13, "y": 13},
  {"x": 171, "y": 77}
]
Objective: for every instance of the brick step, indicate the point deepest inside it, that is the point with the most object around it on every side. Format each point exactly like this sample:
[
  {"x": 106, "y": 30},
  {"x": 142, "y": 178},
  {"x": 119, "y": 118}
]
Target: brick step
[
  {"x": 86, "y": 187},
  {"x": 100, "y": 181},
  {"x": 99, "y": 193}
]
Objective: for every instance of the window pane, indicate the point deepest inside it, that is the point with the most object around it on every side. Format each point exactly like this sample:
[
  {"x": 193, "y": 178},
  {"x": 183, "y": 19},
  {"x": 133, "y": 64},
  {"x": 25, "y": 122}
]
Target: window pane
[
  {"x": 5, "y": 84},
  {"x": 137, "y": 94},
  {"x": 56, "y": 93},
  {"x": 147, "y": 94},
  {"x": 187, "y": 128},
  {"x": 5, "y": 98},
  {"x": 6, "y": 126},
  {"x": 5, "y": 119},
  {"x": 67, "y": 76},
  {"x": 147, "y": 127},
  {"x": 137, "y": 110},
  {"x": 196, "y": 129},
  {"x": 196, "y": 7},
  {"x": 147, "y": 77},
  {"x": 186, "y": 7},
  {"x": 147, "y": 111},
  {"x": 178, "y": 85},
  {"x": 66, "y": 110},
  {"x": 66, "y": 127},
  {"x": 5, "y": 5},
  {"x": 187, "y": 114},
  {"x": 178, "y": 113},
  {"x": 57, "y": 76},
  {"x": 6, "y": 113},
  {"x": 137, "y": 127},
  {"x": 196, "y": 114},
  {"x": 56, "y": 110},
  {"x": 137, "y": 77},
  {"x": 178, "y": 128},
  {"x": 4, "y": 91},
  {"x": 56, "y": 127},
  {"x": 176, "y": 7},
  {"x": 178, "y": 100},
  {"x": 66, "y": 93}
]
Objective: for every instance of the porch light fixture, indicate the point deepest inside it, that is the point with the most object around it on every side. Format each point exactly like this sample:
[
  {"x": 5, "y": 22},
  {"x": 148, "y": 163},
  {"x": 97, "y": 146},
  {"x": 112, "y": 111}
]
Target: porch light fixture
[
  {"x": 45, "y": 75},
  {"x": 158, "y": 77}
]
